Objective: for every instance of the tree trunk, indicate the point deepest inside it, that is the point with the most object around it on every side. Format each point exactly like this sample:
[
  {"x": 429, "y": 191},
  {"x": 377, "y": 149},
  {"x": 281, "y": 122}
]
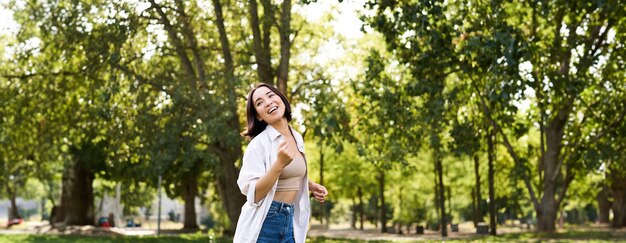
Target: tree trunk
[
  {"x": 361, "y": 207},
  {"x": 13, "y": 212},
  {"x": 43, "y": 208},
  {"x": 226, "y": 184},
  {"x": 101, "y": 203},
  {"x": 285, "y": 46},
  {"x": 449, "y": 200},
  {"x": 441, "y": 195},
  {"x": 226, "y": 181},
  {"x": 618, "y": 189},
  {"x": 226, "y": 178},
  {"x": 323, "y": 213},
  {"x": 229, "y": 65},
  {"x": 261, "y": 52},
  {"x": 552, "y": 163},
  {"x": 548, "y": 206},
  {"x": 491, "y": 170},
  {"x": 400, "y": 207},
  {"x": 77, "y": 206},
  {"x": 353, "y": 214},
  {"x": 604, "y": 206},
  {"x": 118, "y": 217},
  {"x": 619, "y": 209},
  {"x": 383, "y": 210},
  {"x": 474, "y": 206},
  {"x": 478, "y": 217},
  {"x": 546, "y": 216},
  {"x": 190, "y": 191},
  {"x": 436, "y": 183}
]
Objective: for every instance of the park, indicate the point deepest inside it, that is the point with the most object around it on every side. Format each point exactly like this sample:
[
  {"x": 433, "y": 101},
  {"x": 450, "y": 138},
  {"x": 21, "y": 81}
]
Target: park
[{"x": 425, "y": 120}]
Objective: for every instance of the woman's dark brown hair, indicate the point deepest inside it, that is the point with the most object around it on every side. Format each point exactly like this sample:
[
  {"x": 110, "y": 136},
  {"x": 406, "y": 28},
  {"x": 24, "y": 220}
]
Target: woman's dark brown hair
[{"x": 254, "y": 126}]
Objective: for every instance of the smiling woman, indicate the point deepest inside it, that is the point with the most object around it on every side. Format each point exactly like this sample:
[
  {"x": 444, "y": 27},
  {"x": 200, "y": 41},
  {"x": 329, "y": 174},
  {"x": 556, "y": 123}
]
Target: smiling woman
[{"x": 274, "y": 173}]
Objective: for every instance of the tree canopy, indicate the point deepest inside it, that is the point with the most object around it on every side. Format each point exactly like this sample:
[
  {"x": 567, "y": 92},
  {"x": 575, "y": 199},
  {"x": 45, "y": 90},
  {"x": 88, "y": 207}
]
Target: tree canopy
[{"x": 403, "y": 122}]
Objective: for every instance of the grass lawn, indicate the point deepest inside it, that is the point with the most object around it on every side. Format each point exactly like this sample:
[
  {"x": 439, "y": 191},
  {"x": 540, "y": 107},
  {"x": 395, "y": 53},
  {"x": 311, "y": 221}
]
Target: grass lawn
[
  {"x": 85, "y": 239},
  {"x": 569, "y": 236},
  {"x": 485, "y": 239}
]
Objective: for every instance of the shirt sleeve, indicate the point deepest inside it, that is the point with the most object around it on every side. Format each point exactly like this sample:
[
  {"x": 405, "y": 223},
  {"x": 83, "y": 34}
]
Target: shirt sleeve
[{"x": 252, "y": 169}]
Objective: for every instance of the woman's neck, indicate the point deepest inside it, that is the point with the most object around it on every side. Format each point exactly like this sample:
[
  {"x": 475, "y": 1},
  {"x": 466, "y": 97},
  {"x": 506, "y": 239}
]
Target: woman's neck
[{"x": 282, "y": 126}]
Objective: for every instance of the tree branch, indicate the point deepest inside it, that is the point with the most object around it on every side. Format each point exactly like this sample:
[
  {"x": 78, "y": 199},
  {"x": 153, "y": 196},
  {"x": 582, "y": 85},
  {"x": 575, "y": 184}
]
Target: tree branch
[
  {"x": 556, "y": 125},
  {"x": 569, "y": 177},
  {"x": 193, "y": 43},
  {"x": 261, "y": 54},
  {"x": 507, "y": 144},
  {"x": 229, "y": 67},
  {"x": 30, "y": 75},
  {"x": 178, "y": 44}
]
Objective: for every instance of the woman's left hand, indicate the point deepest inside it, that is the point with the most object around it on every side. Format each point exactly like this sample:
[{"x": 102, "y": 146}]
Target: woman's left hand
[{"x": 319, "y": 191}]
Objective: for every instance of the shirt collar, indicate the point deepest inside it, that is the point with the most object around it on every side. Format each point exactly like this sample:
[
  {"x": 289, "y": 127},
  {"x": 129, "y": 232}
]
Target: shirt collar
[{"x": 274, "y": 134}]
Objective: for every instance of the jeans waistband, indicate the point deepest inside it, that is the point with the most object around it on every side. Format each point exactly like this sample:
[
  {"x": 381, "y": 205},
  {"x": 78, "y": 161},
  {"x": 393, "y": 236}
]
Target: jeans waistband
[{"x": 281, "y": 206}]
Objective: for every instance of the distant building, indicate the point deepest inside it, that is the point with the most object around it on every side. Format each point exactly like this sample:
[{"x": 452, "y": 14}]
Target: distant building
[
  {"x": 31, "y": 207},
  {"x": 105, "y": 206}
]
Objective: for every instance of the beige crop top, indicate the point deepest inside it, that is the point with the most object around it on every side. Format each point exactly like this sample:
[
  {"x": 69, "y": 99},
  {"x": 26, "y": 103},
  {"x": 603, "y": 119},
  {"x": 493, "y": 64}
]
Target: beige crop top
[{"x": 291, "y": 177}]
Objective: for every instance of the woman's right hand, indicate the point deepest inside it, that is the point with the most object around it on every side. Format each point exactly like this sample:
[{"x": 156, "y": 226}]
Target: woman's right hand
[{"x": 285, "y": 155}]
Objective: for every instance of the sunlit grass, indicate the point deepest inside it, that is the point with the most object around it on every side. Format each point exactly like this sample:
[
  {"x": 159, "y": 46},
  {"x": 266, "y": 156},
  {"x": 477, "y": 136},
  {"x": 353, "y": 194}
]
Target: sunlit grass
[
  {"x": 569, "y": 236},
  {"x": 89, "y": 239},
  {"x": 594, "y": 236}
]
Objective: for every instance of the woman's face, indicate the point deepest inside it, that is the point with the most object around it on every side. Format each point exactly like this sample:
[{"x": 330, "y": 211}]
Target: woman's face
[{"x": 268, "y": 105}]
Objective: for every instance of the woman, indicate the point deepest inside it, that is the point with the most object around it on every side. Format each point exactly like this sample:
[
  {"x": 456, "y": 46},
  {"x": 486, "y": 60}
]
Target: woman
[{"x": 274, "y": 173}]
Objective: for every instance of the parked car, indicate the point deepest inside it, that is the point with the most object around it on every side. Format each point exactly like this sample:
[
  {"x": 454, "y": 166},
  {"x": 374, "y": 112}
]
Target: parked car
[
  {"x": 133, "y": 222},
  {"x": 103, "y": 222},
  {"x": 15, "y": 222}
]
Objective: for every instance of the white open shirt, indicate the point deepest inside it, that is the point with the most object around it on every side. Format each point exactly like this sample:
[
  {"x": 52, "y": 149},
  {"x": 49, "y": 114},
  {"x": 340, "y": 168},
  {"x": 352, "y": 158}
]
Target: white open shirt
[{"x": 259, "y": 156}]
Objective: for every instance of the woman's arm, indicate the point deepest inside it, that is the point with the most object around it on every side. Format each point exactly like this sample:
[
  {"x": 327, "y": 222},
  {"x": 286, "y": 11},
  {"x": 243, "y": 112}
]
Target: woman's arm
[
  {"x": 319, "y": 191},
  {"x": 265, "y": 183}
]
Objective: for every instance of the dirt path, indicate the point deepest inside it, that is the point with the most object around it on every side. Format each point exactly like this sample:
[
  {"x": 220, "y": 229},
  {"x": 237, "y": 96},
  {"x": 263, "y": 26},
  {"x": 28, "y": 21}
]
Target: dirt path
[
  {"x": 344, "y": 232},
  {"x": 466, "y": 232}
]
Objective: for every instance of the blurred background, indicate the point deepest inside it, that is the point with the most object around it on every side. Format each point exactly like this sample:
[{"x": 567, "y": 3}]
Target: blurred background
[{"x": 416, "y": 114}]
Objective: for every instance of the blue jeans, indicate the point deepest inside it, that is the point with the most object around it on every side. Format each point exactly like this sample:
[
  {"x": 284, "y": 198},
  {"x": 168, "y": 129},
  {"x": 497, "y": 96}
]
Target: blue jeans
[{"x": 278, "y": 224}]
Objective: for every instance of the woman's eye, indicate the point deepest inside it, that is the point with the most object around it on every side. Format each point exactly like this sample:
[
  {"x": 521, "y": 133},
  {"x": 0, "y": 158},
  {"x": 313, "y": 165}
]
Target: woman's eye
[{"x": 271, "y": 95}]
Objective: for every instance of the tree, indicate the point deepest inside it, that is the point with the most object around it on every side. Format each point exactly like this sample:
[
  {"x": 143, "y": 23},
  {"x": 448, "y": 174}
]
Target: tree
[
  {"x": 152, "y": 91},
  {"x": 17, "y": 148},
  {"x": 62, "y": 72},
  {"x": 262, "y": 40},
  {"x": 380, "y": 104},
  {"x": 513, "y": 53},
  {"x": 421, "y": 36},
  {"x": 326, "y": 120},
  {"x": 349, "y": 178},
  {"x": 607, "y": 155},
  {"x": 467, "y": 137},
  {"x": 502, "y": 49}
]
